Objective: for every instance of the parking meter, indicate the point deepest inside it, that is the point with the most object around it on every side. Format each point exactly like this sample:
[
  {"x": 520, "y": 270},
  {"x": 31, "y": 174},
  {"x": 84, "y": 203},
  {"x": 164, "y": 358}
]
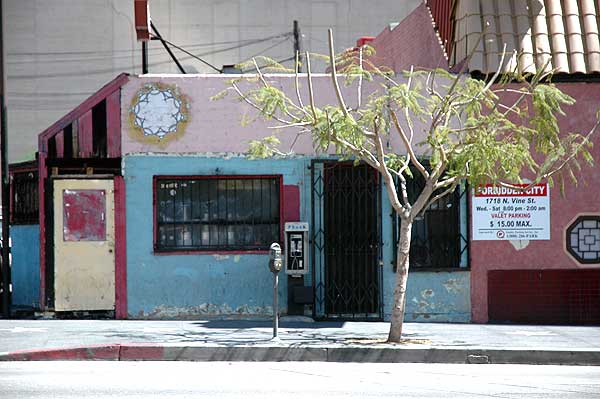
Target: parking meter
[
  {"x": 275, "y": 264},
  {"x": 275, "y": 259}
]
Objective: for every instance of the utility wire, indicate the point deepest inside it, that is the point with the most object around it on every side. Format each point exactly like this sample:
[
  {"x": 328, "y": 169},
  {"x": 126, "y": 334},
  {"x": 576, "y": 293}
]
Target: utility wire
[
  {"x": 188, "y": 46},
  {"x": 269, "y": 65},
  {"x": 265, "y": 50},
  {"x": 136, "y": 67},
  {"x": 192, "y": 55}
]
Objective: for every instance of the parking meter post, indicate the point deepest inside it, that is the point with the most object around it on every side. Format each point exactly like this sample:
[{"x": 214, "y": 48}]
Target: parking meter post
[
  {"x": 275, "y": 305},
  {"x": 275, "y": 263}
]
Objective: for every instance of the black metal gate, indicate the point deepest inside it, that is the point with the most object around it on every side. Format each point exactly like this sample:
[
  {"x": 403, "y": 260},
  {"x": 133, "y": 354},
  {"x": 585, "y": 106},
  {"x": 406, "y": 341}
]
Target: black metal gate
[{"x": 346, "y": 240}]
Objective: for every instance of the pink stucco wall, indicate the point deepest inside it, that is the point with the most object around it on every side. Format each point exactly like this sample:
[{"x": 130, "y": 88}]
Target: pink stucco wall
[
  {"x": 216, "y": 126},
  {"x": 580, "y": 199},
  {"x": 413, "y": 42}
]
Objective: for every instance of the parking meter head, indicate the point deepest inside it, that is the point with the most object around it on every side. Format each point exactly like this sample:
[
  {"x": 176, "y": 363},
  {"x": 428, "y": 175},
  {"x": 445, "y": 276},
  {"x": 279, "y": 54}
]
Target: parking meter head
[{"x": 275, "y": 260}]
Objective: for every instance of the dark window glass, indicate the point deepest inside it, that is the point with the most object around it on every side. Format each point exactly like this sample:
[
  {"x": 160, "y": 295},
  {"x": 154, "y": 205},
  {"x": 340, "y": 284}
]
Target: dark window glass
[
  {"x": 217, "y": 213},
  {"x": 25, "y": 202},
  {"x": 436, "y": 237}
]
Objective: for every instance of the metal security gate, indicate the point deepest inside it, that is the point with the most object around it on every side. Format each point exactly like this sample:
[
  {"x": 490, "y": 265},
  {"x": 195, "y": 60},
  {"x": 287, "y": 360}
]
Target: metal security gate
[{"x": 346, "y": 241}]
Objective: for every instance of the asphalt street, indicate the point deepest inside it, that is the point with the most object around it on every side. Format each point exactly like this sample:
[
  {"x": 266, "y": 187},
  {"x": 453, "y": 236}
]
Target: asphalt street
[{"x": 96, "y": 380}]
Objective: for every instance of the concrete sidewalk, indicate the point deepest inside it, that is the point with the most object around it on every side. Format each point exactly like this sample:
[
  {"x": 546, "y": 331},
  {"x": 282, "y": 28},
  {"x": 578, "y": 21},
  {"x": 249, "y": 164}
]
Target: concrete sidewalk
[{"x": 250, "y": 340}]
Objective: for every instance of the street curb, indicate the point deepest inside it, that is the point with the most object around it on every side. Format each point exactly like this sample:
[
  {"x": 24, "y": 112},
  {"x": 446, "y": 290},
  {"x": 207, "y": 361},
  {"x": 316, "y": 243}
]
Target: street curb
[{"x": 157, "y": 352}]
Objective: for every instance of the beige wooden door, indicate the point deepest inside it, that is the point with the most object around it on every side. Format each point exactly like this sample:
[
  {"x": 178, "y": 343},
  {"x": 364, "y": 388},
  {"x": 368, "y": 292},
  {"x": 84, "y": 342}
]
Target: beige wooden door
[{"x": 84, "y": 242}]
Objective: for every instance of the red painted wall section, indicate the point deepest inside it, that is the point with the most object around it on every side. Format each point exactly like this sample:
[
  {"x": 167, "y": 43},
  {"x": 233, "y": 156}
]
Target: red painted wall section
[
  {"x": 413, "y": 42},
  {"x": 113, "y": 124},
  {"x": 544, "y": 296},
  {"x": 441, "y": 11},
  {"x": 291, "y": 203},
  {"x": 581, "y": 199},
  {"x": 85, "y": 135},
  {"x": 120, "y": 250},
  {"x": 60, "y": 144}
]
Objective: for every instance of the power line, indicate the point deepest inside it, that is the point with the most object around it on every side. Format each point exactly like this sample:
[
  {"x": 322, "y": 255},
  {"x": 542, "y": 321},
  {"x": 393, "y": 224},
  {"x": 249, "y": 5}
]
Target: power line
[
  {"x": 135, "y": 51},
  {"x": 136, "y": 67},
  {"x": 239, "y": 44},
  {"x": 269, "y": 65},
  {"x": 265, "y": 50},
  {"x": 191, "y": 55}
]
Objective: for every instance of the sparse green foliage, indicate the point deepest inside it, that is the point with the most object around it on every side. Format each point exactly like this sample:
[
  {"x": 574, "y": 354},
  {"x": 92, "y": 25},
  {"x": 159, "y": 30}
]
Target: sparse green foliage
[
  {"x": 471, "y": 131},
  {"x": 267, "y": 147}
]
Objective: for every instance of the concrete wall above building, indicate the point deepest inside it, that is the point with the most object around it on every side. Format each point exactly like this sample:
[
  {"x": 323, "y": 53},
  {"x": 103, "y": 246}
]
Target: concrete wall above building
[{"x": 61, "y": 51}]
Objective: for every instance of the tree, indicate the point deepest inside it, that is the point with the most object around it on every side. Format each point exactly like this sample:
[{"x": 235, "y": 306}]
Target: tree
[{"x": 477, "y": 132}]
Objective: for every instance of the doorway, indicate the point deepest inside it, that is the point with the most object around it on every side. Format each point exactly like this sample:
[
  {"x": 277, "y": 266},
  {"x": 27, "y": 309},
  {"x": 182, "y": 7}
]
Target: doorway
[
  {"x": 346, "y": 241},
  {"x": 84, "y": 244}
]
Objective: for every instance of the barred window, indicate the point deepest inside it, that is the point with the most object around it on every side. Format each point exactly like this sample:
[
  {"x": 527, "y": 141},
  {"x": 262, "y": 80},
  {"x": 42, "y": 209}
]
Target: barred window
[
  {"x": 438, "y": 240},
  {"x": 217, "y": 213},
  {"x": 25, "y": 201}
]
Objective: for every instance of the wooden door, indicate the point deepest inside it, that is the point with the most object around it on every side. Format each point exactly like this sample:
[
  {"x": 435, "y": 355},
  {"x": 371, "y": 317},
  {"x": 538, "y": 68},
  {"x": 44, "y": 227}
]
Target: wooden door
[{"x": 84, "y": 242}]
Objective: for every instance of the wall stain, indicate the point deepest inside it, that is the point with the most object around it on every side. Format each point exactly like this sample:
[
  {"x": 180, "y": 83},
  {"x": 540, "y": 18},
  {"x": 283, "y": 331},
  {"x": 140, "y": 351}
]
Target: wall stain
[
  {"x": 519, "y": 244},
  {"x": 204, "y": 310},
  {"x": 453, "y": 286}
]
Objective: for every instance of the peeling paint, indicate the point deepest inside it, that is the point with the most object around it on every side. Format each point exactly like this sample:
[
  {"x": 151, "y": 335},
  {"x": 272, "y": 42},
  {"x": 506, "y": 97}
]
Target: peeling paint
[
  {"x": 220, "y": 257},
  {"x": 236, "y": 258},
  {"x": 452, "y": 286},
  {"x": 519, "y": 244},
  {"x": 202, "y": 310}
]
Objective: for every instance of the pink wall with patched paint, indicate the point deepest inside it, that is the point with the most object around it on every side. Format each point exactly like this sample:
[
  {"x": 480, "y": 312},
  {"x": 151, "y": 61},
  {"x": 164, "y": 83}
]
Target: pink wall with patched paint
[
  {"x": 580, "y": 199},
  {"x": 216, "y": 126}
]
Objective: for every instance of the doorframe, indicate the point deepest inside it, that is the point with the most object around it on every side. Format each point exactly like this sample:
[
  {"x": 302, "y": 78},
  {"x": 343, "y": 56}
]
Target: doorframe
[
  {"x": 315, "y": 252},
  {"x": 47, "y": 245}
]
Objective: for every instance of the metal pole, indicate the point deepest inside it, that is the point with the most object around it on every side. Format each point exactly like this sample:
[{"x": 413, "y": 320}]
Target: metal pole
[
  {"x": 275, "y": 305},
  {"x": 297, "y": 49},
  {"x": 144, "y": 57},
  {"x": 6, "y": 278},
  {"x": 157, "y": 33}
]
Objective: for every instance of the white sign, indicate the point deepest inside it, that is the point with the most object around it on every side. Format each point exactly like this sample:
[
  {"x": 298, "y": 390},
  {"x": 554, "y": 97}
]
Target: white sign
[
  {"x": 501, "y": 213},
  {"x": 296, "y": 226}
]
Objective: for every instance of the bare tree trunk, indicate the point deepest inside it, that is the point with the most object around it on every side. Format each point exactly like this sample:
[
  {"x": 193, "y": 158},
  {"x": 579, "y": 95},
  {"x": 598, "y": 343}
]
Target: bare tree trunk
[{"x": 401, "y": 279}]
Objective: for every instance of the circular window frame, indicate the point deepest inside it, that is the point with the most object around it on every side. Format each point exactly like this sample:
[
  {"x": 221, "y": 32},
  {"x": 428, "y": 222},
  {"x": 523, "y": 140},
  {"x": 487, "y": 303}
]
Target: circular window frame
[{"x": 568, "y": 232}]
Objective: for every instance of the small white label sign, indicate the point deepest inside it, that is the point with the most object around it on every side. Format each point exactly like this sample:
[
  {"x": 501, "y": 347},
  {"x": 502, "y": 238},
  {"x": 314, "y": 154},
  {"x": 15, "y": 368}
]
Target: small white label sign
[{"x": 501, "y": 213}]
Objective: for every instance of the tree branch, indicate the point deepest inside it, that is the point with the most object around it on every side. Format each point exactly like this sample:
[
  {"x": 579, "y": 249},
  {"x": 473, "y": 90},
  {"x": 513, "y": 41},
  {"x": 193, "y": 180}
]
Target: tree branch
[
  {"x": 336, "y": 86},
  {"x": 408, "y": 146},
  {"x": 442, "y": 194},
  {"x": 310, "y": 87},
  {"x": 387, "y": 177},
  {"x": 247, "y": 100},
  {"x": 297, "y": 81}
]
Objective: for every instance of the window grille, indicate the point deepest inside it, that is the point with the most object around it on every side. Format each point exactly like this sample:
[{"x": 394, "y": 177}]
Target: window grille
[
  {"x": 439, "y": 237},
  {"x": 217, "y": 213},
  {"x": 25, "y": 198}
]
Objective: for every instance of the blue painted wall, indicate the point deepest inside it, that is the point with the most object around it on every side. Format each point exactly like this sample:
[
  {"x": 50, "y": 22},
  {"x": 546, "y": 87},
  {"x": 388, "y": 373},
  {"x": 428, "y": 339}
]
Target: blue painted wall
[
  {"x": 431, "y": 296},
  {"x": 168, "y": 286},
  {"x": 25, "y": 268},
  {"x": 171, "y": 286}
]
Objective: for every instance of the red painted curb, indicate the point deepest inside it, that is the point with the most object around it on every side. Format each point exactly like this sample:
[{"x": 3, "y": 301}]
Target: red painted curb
[
  {"x": 94, "y": 352},
  {"x": 141, "y": 352}
]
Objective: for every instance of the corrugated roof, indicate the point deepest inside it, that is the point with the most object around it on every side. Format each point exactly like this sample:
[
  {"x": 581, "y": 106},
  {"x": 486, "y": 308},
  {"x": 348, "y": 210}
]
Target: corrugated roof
[{"x": 563, "y": 32}]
